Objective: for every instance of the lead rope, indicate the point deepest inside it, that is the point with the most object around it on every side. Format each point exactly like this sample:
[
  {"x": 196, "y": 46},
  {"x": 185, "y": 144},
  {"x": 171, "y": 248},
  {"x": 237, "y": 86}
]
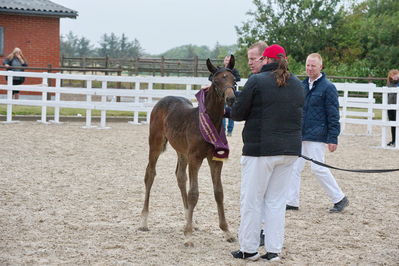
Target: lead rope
[{"x": 349, "y": 170}]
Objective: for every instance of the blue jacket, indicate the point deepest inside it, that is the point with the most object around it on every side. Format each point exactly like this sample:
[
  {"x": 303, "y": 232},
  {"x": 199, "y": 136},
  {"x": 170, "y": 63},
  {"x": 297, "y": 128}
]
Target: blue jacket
[{"x": 321, "y": 112}]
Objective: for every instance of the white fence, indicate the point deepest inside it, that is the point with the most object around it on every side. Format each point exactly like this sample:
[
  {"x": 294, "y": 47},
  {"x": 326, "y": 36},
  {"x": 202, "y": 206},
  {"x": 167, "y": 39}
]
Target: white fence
[{"x": 354, "y": 110}]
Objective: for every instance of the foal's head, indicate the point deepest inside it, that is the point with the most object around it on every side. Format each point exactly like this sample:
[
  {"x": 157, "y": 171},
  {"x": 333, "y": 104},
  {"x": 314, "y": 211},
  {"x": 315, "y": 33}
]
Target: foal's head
[{"x": 223, "y": 80}]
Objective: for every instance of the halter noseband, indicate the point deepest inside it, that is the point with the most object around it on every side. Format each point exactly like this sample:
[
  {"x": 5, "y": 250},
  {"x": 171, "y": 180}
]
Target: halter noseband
[{"x": 220, "y": 91}]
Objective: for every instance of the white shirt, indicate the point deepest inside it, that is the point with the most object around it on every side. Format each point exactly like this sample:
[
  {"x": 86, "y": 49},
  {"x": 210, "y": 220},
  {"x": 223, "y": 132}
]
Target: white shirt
[{"x": 312, "y": 81}]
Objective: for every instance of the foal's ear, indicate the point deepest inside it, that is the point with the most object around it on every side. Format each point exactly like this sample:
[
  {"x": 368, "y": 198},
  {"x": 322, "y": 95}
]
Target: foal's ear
[
  {"x": 211, "y": 67},
  {"x": 232, "y": 62}
]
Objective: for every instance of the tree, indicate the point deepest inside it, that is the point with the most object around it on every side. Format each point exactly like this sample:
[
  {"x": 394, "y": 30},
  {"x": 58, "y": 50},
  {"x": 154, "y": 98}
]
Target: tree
[
  {"x": 134, "y": 49},
  {"x": 68, "y": 44},
  {"x": 72, "y": 45},
  {"x": 188, "y": 52},
  {"x": 369, "y": 37},
  {"x": 119, "y": 47},
  {"x": 301, "y": 26},
  {"x": 84, "y": 47}
]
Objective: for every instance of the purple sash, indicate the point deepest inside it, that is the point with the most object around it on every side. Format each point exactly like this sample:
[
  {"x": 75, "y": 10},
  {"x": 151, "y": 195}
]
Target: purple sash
[{"x": 208, "y": 130}]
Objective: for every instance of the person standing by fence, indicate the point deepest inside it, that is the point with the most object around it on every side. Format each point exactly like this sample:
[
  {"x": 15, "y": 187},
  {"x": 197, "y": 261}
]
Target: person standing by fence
[
  {"x": 230, "y": 122},
  {"x": 320, "y": 127},
  {"x": 271, "y": 106},
  {"x": 16, "y": 59},
  {"x": 392, "y": 81}
]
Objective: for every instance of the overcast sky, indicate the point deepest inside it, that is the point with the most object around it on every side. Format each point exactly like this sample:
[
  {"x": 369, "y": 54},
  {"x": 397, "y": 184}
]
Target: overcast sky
[{"x": 158, "y": 24}]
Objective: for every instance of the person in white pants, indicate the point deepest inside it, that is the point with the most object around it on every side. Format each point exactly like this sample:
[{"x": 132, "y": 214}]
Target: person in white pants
[
  {"x": 320, "y": 129},
  {"x": 316, "y": 151},
  {"x": 271, "y": 104},
  {"x": 264, "y": 185}
]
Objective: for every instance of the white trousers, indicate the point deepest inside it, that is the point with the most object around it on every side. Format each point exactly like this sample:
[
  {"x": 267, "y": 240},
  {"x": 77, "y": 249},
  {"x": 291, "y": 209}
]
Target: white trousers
[
  {"x": 316, "y": 151},
  {"x": 264, "y": 185}
]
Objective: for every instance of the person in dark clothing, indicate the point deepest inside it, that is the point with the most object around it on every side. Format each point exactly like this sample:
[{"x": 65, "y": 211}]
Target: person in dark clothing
[
  {"x": 392, "y": 81},
  {"x": 16, "y": 59},
  {"x": 230, "y": 122},
  {"x": 271, "y": 105},
  {"x": 320, "y": 129}
]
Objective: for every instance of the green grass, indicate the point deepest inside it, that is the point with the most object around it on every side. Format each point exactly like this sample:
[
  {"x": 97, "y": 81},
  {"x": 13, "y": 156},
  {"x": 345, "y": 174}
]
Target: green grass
[
  {"x": 37, "y": 110},
  {"x": 377, "y": 113}
]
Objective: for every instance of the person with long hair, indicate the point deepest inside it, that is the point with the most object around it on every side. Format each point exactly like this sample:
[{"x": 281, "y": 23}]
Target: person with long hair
[
  {"x": 392, "y": 81},
  {"x": 320, "y": 131},
  {"x": 271, "y": 104},
  {"x": 16, "y": 59}
]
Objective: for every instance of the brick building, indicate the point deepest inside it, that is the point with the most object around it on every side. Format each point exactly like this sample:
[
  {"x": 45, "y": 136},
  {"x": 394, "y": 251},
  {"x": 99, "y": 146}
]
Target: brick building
[{"x": 33, "y": 26}]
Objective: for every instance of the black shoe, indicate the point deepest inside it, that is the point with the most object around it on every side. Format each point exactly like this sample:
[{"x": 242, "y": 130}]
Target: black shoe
[
  {"x": 270, "y": 256},
  {"x": 391, "y": 144},
  {"x": 262, "y": 238},
  {"x": 229, "y": 134},
  {"x": 339, "y": 206},
  {"x": 289, "y": 207},
  {"x": 245, "y": 256}
]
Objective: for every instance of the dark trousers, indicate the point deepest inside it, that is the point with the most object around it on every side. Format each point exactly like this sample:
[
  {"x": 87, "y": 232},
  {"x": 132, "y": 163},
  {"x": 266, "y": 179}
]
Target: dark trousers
[{"x": 392, "y": 117}]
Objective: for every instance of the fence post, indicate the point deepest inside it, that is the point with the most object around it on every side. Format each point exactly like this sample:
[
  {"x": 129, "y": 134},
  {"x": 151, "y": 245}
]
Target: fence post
[
  {"x": 344, "y": 108},
  {"x": 44, "y": 100},
  {"x": 384, "y": 120},
  {"x": 136, "y": 65},
  {"x": 195, "y": 66},
  {"x": 103, "y": 112},
  {"x": 62, "y": 66},
  {"x": 9, "y": 98},
  {"x": 370, "y": 111},
  {"x": 49, "y": 82},
  {"x": 162, "y": 66},
  {"x": 162, "y": 70},
  {"x": 106, "y": 64},
  {"x": 57, "y": 100},
  {"x": 119, "y": 84},
  {"x": 136, "y": 100},
  {"x": 84, "y": 71},
  {"x": 149, "y": 100},
  {"x": 89, "y": 84}
]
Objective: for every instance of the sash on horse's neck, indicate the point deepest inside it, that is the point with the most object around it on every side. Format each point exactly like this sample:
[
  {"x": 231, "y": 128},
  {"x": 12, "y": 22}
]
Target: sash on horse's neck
[{"x": 208, "y": 130}]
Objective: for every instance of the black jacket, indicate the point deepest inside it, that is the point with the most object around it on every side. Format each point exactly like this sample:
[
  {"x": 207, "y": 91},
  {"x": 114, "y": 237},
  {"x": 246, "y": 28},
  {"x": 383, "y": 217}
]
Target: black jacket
[{"x": 272, "y": 114}]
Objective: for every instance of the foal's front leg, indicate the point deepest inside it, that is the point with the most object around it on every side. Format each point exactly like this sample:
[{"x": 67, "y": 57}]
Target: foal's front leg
[
  {"x": 192, "y": 200},
  {"x": 216, "y": 171}
]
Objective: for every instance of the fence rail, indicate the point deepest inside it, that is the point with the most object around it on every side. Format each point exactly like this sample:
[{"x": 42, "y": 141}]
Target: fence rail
[
  {"x": 194, "y": 67},
  {"x": 144, "y": 96}
]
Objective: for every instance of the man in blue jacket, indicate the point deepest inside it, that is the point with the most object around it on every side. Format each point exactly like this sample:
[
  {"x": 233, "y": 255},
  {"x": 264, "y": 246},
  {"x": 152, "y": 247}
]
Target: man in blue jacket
[{"x": 320, "y": 127}]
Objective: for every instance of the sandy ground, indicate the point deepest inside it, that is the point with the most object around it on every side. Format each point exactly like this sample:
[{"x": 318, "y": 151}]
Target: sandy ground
[{"x": 73, "y": 196}]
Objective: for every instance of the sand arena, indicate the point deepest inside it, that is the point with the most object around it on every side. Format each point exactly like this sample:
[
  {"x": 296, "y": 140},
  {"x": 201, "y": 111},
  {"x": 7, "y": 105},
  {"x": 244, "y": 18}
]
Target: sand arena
[{"x": 73, "y": 196}]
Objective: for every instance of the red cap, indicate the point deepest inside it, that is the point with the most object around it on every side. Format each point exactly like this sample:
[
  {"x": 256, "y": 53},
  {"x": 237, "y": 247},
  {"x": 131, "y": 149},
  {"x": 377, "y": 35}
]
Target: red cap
[{"x": 273, "y": 50}]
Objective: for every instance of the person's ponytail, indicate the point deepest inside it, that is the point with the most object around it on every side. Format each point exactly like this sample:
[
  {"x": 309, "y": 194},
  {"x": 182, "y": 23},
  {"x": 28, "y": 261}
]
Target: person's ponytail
[{"x": 282, "y": 73}]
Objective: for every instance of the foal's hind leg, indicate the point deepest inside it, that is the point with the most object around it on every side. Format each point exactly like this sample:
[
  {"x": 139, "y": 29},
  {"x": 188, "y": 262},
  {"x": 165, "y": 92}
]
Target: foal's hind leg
[
  {"x": 216, "y": 171},
  {"x": 192, "y": 199},
  {"x": 181, "y": 176},
  {"x": 157, "y": 145}
]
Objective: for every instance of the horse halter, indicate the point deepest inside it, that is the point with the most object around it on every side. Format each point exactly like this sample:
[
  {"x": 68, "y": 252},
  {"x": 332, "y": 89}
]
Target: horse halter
[{"x": 220, "y": 91}]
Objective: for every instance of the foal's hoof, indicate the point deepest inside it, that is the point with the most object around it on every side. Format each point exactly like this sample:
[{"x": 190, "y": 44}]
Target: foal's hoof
[
  {"x": 144, "y": 228},
  {"x": 229, "y": 237},
  {"x": 189, "y": 244}
]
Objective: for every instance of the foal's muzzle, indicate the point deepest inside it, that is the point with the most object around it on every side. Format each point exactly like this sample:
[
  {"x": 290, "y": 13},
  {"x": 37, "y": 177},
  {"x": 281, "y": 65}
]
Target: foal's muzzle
[{"x": 230, "y": 96}]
